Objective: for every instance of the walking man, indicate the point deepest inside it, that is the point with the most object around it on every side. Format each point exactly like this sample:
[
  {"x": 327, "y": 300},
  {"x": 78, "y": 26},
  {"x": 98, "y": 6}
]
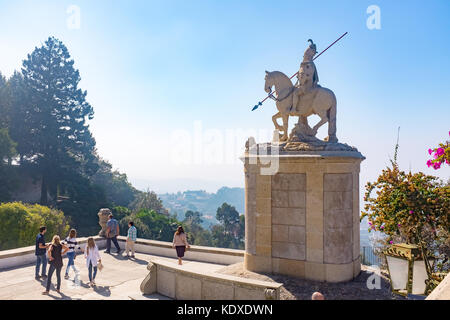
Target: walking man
[
  {"x": 112, "y": 231},
  {"x": 131, "y": 238},
  {"x": 40, "y": 253}
]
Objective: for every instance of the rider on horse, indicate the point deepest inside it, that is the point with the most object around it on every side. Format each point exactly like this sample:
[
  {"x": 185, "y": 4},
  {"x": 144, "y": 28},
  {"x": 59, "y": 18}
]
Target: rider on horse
[{"x": 307, "y": 75}]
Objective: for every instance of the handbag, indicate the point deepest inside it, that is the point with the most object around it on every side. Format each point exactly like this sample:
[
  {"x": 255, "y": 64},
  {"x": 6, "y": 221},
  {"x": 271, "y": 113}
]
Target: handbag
[{"x": 99, "y": 266}]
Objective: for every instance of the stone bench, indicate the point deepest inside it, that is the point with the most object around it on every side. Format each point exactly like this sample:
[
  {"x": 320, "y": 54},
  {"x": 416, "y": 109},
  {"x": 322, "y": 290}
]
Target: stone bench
[{"x": 182, "y": 283}]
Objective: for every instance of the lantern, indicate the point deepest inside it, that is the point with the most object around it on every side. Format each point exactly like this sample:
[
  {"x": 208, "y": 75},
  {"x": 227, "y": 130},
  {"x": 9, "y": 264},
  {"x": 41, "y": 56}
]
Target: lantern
[{"x": 407, "y": 269}]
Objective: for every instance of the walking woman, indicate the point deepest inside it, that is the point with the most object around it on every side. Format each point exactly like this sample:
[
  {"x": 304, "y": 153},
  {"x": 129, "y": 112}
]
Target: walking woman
[
  {"x": 92, "y": 259},
  {"x": 180, "y": 243},
  {"x": 72, "y": 244},
  {"x": 55, "y": 252}
]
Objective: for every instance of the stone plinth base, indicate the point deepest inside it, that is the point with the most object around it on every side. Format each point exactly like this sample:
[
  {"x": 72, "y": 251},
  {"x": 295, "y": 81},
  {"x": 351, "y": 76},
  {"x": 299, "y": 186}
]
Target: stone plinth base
[{"x": 302, "y": 215}]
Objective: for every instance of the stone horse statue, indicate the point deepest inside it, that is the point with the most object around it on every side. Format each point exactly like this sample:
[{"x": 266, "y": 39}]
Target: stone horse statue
[{"x": 320, "y": 101}]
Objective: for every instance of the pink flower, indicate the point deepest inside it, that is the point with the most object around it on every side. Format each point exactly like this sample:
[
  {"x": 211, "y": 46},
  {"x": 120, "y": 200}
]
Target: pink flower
[
  {"x": 446, "y": 161},
  {"x": 391, "y": 242},
  {"x": 440, "y": 151},
  {"x": 411, "y": 212},
  {"x": 430, "y": 151},
  {"x": 399, "y": 225},
  {"x": 436, "y": 166},
  {"x": 429, "y": 163},
  {"x": 382, "y": 227}
]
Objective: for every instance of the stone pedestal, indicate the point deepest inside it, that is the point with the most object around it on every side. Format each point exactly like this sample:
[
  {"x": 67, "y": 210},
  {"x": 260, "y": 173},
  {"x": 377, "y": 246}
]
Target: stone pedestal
[{"x": 303, "y": 219}]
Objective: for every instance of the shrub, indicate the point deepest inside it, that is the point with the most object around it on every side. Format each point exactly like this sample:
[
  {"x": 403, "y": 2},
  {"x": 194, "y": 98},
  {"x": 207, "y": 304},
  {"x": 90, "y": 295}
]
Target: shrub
[{"x": 20, "y": 223}]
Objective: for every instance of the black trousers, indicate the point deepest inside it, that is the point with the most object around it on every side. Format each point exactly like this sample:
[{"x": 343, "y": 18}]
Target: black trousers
[
  {"x": 58, "y": 276},
  {"x": 108, "y": 243}
]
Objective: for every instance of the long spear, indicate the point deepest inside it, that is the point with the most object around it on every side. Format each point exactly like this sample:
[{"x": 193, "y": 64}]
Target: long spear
[{"x": 270, "y": 94}]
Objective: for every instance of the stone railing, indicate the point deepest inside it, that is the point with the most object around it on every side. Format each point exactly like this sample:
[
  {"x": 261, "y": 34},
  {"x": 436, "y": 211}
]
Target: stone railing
[
  {"x": 25, "y": 255},
  {"x": 177, "y": 282},
  {"x": 197, "y": 253}
]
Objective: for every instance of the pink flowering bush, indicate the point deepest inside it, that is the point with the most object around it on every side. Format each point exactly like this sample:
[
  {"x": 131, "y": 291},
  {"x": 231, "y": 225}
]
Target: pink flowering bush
[
  {"x": 440, "y": 155},
  {"x": 412, "y": 208}
]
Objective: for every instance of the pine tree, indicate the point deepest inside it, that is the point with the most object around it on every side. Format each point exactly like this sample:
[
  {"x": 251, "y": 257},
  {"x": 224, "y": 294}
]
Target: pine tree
[
  {"x": 61, "y": 142},
  {"x": 4, "y": 110},
  {"x": 19, "y": 116}
]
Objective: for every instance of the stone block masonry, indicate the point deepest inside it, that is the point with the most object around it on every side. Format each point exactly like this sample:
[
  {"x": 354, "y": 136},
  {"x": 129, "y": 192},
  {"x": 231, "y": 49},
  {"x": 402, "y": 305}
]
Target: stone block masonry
[{"x": 303, "y": 220}]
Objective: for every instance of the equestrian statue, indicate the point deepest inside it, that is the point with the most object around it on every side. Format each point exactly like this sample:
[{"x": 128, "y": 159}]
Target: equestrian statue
[{"x": 303, "y": 99}]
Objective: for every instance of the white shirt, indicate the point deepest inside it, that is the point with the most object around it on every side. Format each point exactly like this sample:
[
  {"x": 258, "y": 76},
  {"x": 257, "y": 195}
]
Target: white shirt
[{"x": 93, "y": 256}]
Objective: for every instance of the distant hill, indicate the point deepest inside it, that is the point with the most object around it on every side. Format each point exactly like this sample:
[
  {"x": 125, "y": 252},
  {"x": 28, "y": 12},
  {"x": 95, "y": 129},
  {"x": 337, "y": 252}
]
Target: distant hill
[{"x": 203, "y": 202}]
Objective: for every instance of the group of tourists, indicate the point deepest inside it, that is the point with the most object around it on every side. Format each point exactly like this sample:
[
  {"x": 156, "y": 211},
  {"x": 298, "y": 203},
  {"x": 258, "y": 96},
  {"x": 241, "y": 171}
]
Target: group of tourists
[{"x": 54, "y": 252}]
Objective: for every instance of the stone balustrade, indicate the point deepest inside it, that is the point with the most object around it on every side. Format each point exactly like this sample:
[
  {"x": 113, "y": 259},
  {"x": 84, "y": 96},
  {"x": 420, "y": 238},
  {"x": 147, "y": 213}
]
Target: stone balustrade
[{"x": 25, "y": 255}]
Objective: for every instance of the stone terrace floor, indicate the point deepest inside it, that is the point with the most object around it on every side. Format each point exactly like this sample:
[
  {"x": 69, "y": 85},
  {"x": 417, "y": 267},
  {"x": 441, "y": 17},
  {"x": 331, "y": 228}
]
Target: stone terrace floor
[{"x": 120, "y": 279}]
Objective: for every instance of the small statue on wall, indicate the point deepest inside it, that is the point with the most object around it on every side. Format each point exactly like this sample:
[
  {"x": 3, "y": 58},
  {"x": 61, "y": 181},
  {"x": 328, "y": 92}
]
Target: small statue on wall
[{"x": 102, "y": 220}]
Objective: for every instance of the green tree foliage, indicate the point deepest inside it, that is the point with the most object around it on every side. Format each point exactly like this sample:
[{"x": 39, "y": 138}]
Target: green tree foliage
[
  {"x": 20, "y": 223},
  {"x": 152, "y": 225},
  {"x": 120, "y": 212},
  {"x": 82, "y": 203},
  {"x": 196, "y": 234},
  {"x": 4, "y": 103},
  {"x": 149, "y": 201},
  {"x": 221, "y": 238},
  {"x": 118, "y": 189},
  {"x": 7, "y": 176},
  {"x": 193, "y": 218},
  {"x": 230, "y": 233},
  {"x": 61, "y": 139},
  {"x": 228, "y": 216},
  {"x": 20, "y": 117},
  {"x": 7, "y": 146}
]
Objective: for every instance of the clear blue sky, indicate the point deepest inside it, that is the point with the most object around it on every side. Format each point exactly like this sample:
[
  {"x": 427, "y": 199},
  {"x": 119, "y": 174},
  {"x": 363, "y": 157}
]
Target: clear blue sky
[{"x": 152, "y": 68}]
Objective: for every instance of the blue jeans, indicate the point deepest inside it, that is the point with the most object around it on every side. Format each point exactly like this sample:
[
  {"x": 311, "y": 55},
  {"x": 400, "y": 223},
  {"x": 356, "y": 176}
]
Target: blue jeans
[
  {"x": 108, "y": 243},
  {"x": 41, "y": 259},
  {"x": 71, "y": 263},
  {"x": 52, "y": 269},
  {"x": 90, "y": 271}
]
